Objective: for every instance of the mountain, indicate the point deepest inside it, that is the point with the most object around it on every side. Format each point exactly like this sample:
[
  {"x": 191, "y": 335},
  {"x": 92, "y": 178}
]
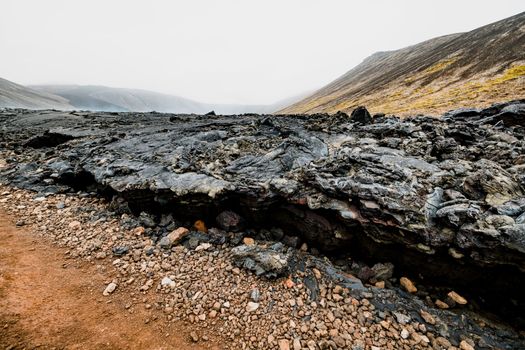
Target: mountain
[
  {"x": 17, "y": 96},
  {"x": 103, "y": 98},
  {"x": 475, "y": 68}
]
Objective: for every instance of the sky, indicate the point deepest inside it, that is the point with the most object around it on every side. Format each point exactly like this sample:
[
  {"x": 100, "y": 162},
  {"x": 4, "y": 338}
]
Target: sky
[{"x": 228, "y": 51}]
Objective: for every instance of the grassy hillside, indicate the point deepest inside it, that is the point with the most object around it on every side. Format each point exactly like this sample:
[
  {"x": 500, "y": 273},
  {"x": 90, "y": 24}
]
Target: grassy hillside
[{"x": 476, "y": 68}]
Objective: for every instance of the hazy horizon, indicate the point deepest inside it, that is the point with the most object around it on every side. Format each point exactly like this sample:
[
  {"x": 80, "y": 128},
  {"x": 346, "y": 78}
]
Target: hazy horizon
[{"x": 232, "y": 52}]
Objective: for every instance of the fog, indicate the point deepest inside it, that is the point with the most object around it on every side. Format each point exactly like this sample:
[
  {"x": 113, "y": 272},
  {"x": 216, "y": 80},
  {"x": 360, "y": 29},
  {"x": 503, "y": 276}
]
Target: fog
[{"x": 229, "y": 52}]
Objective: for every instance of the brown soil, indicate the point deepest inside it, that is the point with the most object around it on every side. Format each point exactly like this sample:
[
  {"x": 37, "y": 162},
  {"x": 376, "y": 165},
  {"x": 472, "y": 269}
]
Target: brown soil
[{"x": 50, "y": 302}]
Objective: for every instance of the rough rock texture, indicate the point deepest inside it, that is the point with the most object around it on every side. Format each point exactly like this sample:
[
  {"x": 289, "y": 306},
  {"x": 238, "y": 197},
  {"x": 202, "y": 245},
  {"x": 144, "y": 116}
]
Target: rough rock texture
[{"x": 440, "y": 198}]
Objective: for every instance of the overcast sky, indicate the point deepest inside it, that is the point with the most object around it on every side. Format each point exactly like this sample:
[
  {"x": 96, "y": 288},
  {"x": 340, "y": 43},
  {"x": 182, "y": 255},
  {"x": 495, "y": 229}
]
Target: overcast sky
[{"x": 233, "y": 51}]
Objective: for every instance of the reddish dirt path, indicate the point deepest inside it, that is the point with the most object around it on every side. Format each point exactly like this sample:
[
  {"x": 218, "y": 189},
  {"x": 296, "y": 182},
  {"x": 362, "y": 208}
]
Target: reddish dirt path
[{"x": 50, "y": 302}]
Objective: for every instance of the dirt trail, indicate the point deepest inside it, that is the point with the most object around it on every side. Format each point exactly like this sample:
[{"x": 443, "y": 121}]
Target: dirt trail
[{"x": 50, "y": 302}]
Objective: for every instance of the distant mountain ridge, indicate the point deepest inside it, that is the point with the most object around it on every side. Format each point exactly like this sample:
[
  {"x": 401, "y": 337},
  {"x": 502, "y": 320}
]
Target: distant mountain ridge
[
  {"x": 475, "y": 68},
  {"x": 18, "y": 96},
  {"x": 103, "y": 98}
]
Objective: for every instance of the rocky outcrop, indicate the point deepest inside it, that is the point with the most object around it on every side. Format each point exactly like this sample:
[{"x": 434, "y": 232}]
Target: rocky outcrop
[{"x": 440, "y": 198}]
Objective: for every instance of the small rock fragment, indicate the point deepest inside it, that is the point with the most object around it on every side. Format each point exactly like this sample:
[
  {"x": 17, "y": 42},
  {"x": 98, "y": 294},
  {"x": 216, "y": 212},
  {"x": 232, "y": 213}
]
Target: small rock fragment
[
  {"x": 427, "y": 317},
  {"x": 194, "y": 337},
  {"x": 457, "y": 298},
  {"x": 464, "y": 345},
  {"x": 200, "y": 226},
  {"x": 74, "y": 224},
  {"x": 404, "y": 333},
  {"x": 248, "y": 241},
  {"x": 408, "y": 285},
  {"x": 441, "y": 304},
  {"x": 109, "y": 289},
  {"x": 251, "y": 307},
  {"x": 284, "y": 344}
]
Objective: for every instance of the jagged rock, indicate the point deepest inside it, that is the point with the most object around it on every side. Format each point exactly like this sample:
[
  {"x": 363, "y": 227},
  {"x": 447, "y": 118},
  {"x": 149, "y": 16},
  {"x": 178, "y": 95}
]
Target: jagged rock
[
  {"x": 361, "y": 115},
  {"x": 269, "y": 262},
  {"x": 383, "y": 189}
]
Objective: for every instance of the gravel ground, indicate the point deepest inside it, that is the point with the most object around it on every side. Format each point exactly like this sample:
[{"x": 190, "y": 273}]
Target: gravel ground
[{"x": 204, "y": 288}]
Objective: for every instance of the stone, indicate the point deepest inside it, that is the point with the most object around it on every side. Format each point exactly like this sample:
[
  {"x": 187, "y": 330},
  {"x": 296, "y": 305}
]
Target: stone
[
  {"x": 120, "y": 250},
  {"x": 361, "y": 115},
  {"x": 401, "y": 318},
  {"x": 338, "y": 289},
  {"x": 147, "y": 219},
  {"x": 440, "y": 304},
  {"x": 380, "y": 284},
  {"x": 270, "y": 262},
  {"x": 200, "y": 226},
  {"x": 74, "y": 225},
  {"x": 383, "y": 272},
  {"x": 404, "y": 333},
  {"x": 174, "y": 237},
  {"x": 167, "y": 282},
  {"x": 110, "y": 288},
  {"x": 203, "y": 246},
  {"x": 255, "y": 295},
  {"x": 251, "y": 306},
  {"x": 457, "y": 298},
  {"x": 427, "y": 317},
  {"x": 248, "y": 241},
  {"x": 464, "y": 345},
  {"x": 408, "y": 285},
  {"x": 230, "y": 221},
  {"x": 284, "y": 344},
  {"x": 296, "y": 344},
  {"x": 194, "y": 336},
  {"x": 139, "y": 231}
]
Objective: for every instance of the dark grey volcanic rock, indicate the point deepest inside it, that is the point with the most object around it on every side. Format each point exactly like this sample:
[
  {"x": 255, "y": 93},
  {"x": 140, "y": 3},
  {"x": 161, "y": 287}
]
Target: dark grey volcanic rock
[{"x": 440, "y": 198}]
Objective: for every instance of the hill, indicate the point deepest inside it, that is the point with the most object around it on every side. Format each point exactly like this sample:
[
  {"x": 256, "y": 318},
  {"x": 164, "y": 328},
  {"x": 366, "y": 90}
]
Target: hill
[
  {"x": 475, "y": 68},
  {"x": 17, "y": 96}
]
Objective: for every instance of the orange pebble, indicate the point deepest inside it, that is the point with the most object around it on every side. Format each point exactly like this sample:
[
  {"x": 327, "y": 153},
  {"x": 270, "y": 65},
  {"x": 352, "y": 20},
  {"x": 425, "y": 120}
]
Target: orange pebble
[{"x": 200, "y": 226}]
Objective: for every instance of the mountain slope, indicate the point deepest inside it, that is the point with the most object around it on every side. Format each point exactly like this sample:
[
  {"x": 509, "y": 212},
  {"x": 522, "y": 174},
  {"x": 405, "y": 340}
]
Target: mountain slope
[
  {"x": 476, "y": 68},
  {"x": 17, "y": 96}
]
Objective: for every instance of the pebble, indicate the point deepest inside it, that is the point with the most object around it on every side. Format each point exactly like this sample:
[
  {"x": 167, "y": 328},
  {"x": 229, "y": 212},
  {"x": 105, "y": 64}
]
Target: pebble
[
  {"x": 74, "y": 224},
  {"x": 464, "y": 345},
  {"x": 284, "y": 344},
  {"x": 427, "y": 317},
  {"x": 203, "y": 246},
  {"x": 255, "y": 295},
  {"x": 166, "y": 281},
  {"x": 457, "y": 298},
  {"x": 380, "y": 284},
  {"x": 404, "y": 333},
  {"x": 401, "y": 318},
  {"x": 251, "y": 306},
  {"x": 194, "y": 337},
  {"x": 109, "y": 289},
  {"x": 248, "y": 241},
  {"x": 440, "y": 304},
  {"x": 408, "y": 285},
  {"x": 200, "y": 226}
]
